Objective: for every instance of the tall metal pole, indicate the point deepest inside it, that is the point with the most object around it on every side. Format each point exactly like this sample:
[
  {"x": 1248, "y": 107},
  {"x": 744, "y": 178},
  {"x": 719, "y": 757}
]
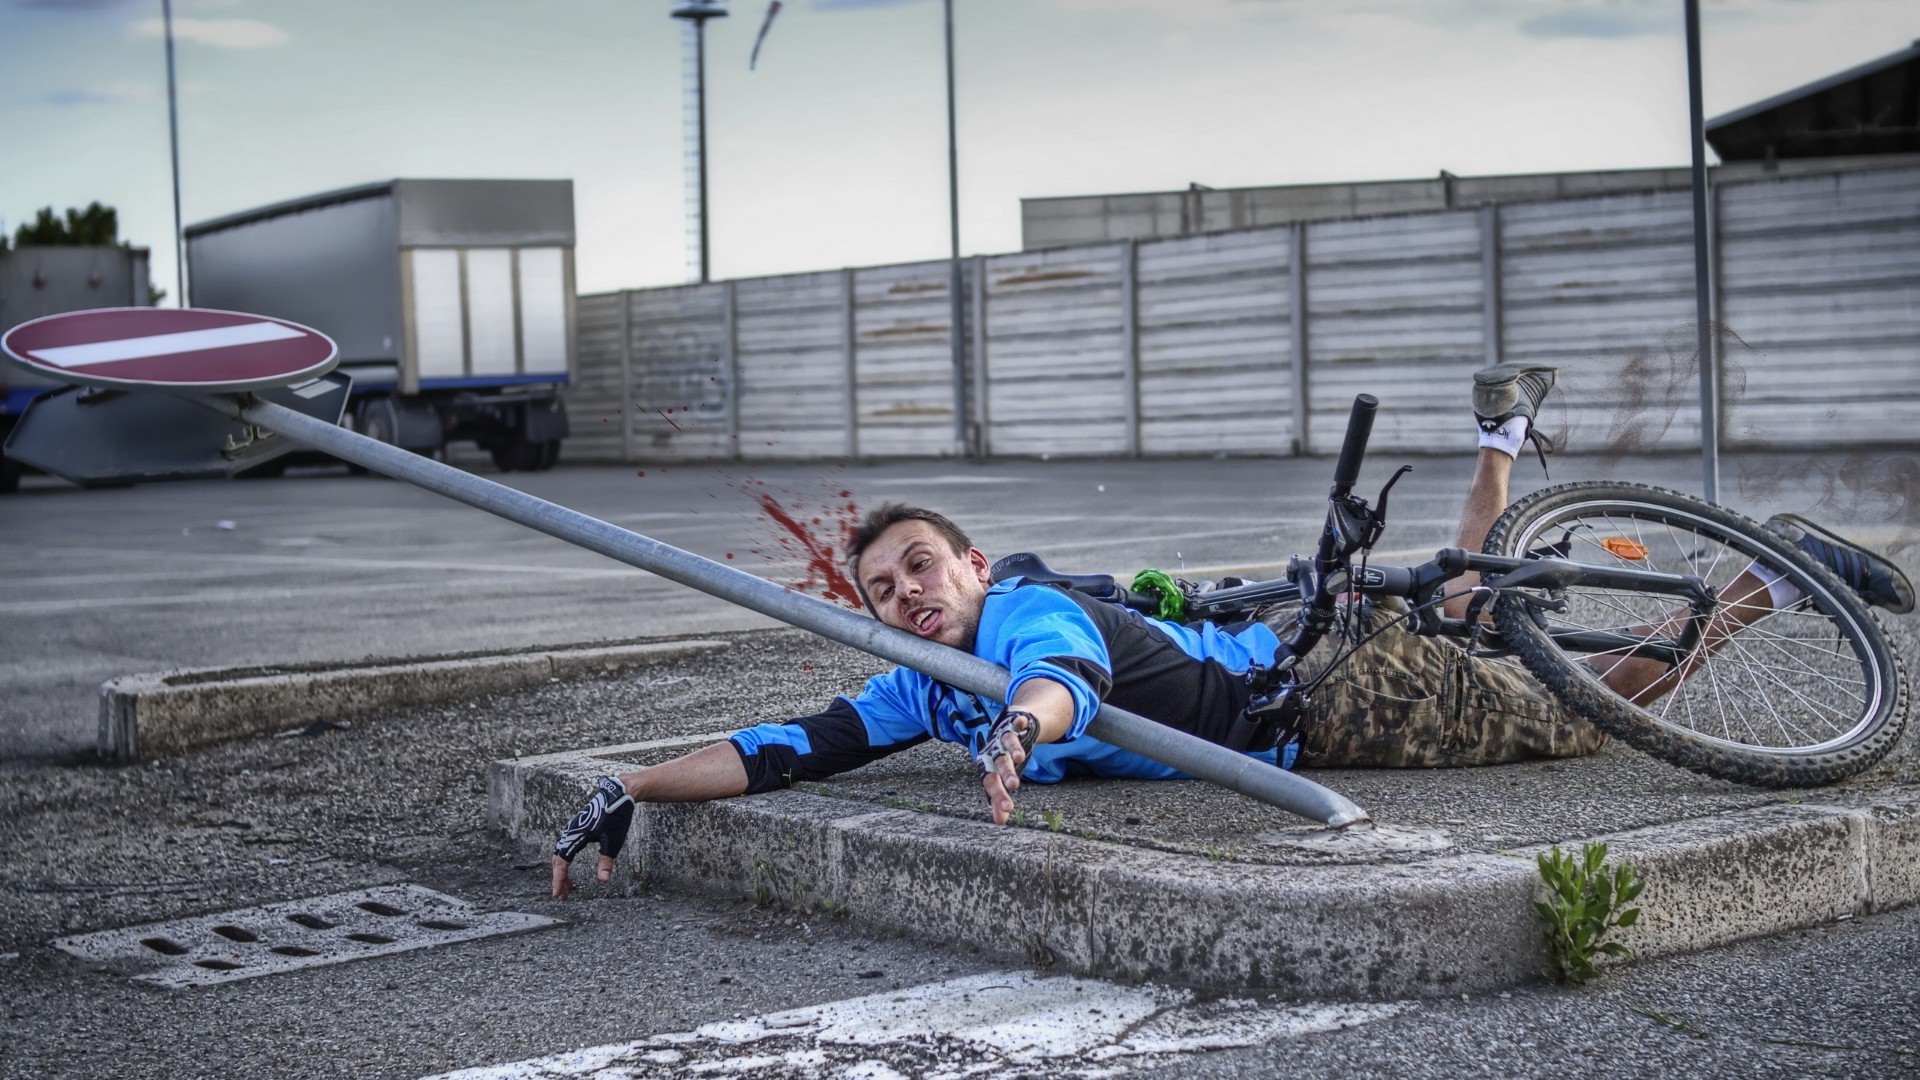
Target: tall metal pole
[
  {"x": 173, "y": 131},
  {"x": 700, "y": 90},
  {"x": 1702, "y": 269},
  {"x": 698, "y": 12},
  {"x": 958, "y": 313}
]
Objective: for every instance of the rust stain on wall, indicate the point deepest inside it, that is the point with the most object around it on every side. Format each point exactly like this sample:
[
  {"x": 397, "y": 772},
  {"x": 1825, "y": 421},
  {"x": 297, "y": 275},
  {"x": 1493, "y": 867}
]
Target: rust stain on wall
[
  {"x": 906, "y": 330},
  {"x": 1033, "y": 276}
]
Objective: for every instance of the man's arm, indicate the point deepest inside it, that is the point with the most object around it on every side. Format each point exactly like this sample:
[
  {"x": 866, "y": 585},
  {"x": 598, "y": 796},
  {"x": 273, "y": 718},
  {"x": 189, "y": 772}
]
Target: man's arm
[
  {"x": 712, "y": 772},
  {"x": 846, "y": 735},
  {"x": 1049, "y": 702}
]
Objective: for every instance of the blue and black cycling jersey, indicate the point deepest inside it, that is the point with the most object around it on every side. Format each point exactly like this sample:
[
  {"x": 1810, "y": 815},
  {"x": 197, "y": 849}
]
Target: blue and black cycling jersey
[{"x": 1193, "y": 678}]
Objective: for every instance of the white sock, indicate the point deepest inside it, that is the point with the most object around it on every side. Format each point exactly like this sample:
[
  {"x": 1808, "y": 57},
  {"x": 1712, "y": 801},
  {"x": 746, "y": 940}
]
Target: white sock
[
  {"x": 1784, "y": 593},
  {"x": 1509, "y": 438}
]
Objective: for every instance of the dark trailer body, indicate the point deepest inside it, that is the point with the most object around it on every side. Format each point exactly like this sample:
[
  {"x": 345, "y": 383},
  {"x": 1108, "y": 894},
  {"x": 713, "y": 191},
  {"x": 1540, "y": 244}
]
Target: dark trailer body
[{"x": 452, "y": 302}]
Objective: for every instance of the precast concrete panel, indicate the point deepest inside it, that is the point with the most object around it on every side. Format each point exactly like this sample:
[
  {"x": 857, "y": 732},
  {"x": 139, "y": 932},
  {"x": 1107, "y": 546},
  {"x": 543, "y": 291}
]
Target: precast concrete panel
[
  {"x": 1056, "y": 376},
  {"x": 1214, "y": 353},
  {"x": 1394, "y": 310},
  {"x": 1821, "y": 283},
  {"x": 597, "y": 399},
  {"x": 903, "y": 359},
  {"x": 793, "y": 398},
  {"x": 682, "y": 389},
  {"x": 333, "y": 267},
  {"x": 1604, "y": 288}
]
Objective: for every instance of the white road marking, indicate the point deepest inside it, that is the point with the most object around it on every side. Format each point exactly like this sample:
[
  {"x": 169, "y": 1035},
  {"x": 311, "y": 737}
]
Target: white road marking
[
  {"x": 981, "y": 1025},
  {"x": 185, "y": 341}
]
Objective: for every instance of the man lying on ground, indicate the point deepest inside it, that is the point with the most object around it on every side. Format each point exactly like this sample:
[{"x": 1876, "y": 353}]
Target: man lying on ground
[{"x": 1068, "y": 653}]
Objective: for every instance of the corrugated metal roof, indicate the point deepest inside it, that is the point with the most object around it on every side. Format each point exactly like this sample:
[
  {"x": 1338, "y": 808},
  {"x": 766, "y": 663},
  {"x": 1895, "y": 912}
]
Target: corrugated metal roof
[{"x": 1870, "y": 109}]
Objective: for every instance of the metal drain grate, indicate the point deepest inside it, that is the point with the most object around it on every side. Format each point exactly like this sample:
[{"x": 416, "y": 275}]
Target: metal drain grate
[{"x": 206, "y": 949}]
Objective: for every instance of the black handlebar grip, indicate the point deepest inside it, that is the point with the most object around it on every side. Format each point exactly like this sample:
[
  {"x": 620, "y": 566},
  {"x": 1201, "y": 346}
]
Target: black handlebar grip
[{"x": 1359, "y": 430}]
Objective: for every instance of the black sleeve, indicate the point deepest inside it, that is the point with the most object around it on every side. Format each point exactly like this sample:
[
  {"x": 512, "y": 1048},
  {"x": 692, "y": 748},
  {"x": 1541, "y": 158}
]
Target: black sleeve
[{"x": 809, "y": 748}]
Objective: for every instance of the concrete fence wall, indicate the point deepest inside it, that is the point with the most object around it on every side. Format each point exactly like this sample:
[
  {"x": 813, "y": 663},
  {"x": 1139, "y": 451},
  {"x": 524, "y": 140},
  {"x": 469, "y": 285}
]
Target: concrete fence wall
[{"x": 1254, "y": 341}]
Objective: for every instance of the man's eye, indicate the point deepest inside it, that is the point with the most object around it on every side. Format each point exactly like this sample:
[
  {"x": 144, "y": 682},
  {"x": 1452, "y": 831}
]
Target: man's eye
[{"x": 919, "y": 565}]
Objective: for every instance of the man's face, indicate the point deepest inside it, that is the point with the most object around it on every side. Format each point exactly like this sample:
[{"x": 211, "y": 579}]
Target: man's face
[{"x": 916, "y": 583}]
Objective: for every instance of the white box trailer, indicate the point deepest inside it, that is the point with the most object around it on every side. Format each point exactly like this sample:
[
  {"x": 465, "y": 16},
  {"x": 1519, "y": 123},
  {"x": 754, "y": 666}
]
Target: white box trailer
[{"x": 452, "y": 302}]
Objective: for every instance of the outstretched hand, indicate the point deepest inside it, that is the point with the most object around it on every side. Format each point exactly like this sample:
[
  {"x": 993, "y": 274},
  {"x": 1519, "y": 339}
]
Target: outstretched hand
[
  {"x": 1009, "y": 742},
  {"x": 606, "y": 818}
]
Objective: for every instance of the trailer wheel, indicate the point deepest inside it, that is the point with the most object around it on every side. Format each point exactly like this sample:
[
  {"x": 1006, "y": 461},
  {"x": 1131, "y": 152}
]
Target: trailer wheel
[
  {"x": 374, "y": 419},
  {"x": 516, "y": 454}
]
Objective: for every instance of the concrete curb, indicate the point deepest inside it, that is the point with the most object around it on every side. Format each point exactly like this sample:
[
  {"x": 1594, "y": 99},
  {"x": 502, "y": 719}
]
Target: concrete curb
[
  {"x": 166, "y": 712},
  {"x": 1443, "y": 924}
]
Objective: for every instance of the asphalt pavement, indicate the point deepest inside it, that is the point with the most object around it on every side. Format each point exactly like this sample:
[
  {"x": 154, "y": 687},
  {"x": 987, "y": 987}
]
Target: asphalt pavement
[
  {"x": 322, "y": 566},
  {"x": 329, "y": 567}
]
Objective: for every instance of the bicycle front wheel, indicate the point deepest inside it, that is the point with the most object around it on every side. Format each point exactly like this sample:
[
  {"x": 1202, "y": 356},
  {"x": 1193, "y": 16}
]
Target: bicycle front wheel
[{"x": 1807, "y": 693}]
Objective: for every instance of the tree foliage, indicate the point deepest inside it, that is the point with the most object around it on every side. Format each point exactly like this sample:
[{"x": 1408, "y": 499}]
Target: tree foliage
[{"x": 96, "y": 226}]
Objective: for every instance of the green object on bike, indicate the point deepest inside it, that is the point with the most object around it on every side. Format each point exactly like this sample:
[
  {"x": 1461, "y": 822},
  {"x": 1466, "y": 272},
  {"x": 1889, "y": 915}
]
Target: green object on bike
[{"x": 1173, "y": 602}]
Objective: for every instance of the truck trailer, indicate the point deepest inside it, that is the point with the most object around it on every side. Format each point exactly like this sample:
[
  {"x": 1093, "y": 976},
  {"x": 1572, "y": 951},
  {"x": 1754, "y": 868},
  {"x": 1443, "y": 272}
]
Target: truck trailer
[
  {"x": 452, "y": 302},
  {"x": 39, "y": 281}
]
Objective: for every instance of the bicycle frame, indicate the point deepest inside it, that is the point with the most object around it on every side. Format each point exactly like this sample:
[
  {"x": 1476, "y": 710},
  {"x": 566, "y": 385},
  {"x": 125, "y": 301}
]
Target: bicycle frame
[{"x": 1353, "y": 526}]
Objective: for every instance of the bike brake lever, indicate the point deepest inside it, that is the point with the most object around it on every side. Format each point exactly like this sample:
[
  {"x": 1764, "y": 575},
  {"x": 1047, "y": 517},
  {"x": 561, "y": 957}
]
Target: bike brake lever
[{"x": 1380, "y": 511}]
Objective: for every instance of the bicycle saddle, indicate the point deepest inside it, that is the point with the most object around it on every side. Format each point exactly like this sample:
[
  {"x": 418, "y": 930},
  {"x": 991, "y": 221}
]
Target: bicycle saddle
[{"x": 1026, "y": 564}]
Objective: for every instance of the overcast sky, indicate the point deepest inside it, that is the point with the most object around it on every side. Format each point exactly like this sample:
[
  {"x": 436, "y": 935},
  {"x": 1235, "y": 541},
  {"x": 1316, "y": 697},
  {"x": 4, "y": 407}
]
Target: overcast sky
[{"x": 833, "y": 152}]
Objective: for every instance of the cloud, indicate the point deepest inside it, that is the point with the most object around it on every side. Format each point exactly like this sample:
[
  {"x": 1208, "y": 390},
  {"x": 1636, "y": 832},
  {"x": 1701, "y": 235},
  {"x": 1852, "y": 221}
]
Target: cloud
[
  {"x": 1607, "y": 23},
  {"x": 82, "y": 97},
  {"x": 224, "y": 33},
  {"x": 73, "y": 6}
]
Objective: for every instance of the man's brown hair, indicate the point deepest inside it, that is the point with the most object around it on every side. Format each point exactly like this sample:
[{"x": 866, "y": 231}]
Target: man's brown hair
[{"x": 887, "y": 515}]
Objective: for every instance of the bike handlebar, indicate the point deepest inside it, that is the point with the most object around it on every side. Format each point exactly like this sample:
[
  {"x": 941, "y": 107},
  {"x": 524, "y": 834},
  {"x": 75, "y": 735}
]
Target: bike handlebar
[{"x": 1354, "y": 449}]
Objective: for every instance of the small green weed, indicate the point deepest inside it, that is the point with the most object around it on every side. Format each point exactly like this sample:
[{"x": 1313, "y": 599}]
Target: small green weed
[
  {"x": 1055, "y": 819},
  {"x": 1585, "y": 901}
]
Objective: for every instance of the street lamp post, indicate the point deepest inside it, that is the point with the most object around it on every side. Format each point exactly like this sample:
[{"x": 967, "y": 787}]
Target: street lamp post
[
  {"x": 173, "y": 133},
  {"x": 1702, "y": 269},
  {"x": 958, "y": 303},
  {"x": 696, "y": 13}
]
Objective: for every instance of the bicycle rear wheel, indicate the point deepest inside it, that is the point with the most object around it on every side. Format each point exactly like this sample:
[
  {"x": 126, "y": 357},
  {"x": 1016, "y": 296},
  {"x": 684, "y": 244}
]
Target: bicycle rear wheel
[{"x": 1806, "y": 694}]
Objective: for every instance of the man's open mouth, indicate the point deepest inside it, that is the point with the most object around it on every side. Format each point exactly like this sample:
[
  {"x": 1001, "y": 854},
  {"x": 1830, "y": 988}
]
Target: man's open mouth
[{"x": 925, "y": 621}]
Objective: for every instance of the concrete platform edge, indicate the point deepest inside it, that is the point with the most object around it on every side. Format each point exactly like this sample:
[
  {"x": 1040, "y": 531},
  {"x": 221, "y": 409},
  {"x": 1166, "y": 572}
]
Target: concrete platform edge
[
  {"x": 160, "y": 713},
  {"x": 1449, "y": 924}
]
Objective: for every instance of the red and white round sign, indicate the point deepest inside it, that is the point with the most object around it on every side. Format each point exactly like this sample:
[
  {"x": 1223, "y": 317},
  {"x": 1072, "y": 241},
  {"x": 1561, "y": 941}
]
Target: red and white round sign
[{"x": 182, "y": 348}]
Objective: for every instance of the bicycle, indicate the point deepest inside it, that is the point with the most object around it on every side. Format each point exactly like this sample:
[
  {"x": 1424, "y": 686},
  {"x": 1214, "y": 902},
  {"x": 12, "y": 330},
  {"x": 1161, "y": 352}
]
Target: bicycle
[{"x": 1806, "y": 694}]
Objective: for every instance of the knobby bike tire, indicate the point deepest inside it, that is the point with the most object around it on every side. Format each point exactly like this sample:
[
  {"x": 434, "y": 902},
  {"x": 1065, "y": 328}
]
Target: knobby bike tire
[{"x": 1801, "y": 661}]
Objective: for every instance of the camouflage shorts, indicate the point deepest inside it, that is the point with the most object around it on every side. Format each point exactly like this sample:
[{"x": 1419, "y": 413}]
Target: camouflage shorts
[{"x": 1405, "y": 700}]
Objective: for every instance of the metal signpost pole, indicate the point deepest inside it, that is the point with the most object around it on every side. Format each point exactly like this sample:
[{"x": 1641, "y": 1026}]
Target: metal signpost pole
[
  {"x": 1190, "y": 755},
  {"x": 173, "y": 132},
  {"x": 958, "y": 311},
  {"x": 1702, "y": 270}
]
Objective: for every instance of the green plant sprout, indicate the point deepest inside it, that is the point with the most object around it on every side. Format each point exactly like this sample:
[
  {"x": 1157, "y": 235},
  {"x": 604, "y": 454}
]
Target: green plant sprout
[{"x": 1585, "y": 901}]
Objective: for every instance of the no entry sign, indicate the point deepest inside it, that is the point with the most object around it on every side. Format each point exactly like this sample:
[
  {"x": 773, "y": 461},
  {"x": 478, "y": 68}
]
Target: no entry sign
[{"x": 182, "y": 348}]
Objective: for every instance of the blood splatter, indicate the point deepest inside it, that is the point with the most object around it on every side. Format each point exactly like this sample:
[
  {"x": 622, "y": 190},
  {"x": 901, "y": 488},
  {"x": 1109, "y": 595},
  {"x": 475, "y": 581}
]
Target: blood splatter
[
  {"x": 822, "y": 553},
  {"x": 639, "y": 472},
  {"x": 669, "y": 420}
]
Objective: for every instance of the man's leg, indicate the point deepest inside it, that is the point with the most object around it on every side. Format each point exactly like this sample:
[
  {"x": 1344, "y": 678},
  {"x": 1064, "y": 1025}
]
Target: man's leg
[
  {"x": 1486, "y": 501},
  {"x": 1506, "y": 404}
]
